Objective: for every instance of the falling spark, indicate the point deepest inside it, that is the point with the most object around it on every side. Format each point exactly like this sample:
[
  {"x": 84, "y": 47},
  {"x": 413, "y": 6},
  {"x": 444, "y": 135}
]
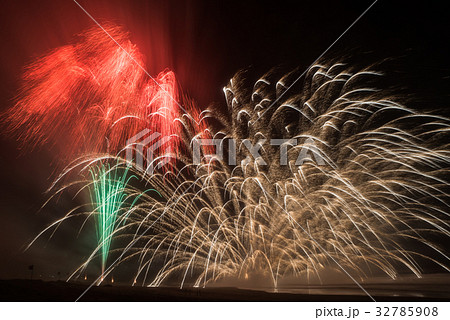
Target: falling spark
[
  {"x": 90, "y": 96},
  {"x": 379, "y": 193},
  {"x": 373, "y": 204},
  {"x": 109, "y": 195}
]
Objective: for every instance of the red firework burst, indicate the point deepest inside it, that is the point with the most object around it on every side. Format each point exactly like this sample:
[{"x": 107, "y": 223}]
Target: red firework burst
[{"x": 93, "y": 95}]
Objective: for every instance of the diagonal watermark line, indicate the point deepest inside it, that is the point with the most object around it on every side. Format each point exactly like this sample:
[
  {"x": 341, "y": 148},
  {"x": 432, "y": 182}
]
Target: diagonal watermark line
[
  {"x": 318, "y": 58},
  {"x": 309, "y": 235},
  {"x": 131, "y": 57},
  {"x": 321, "y": 248},
  {"x": 128, "y": 247}
]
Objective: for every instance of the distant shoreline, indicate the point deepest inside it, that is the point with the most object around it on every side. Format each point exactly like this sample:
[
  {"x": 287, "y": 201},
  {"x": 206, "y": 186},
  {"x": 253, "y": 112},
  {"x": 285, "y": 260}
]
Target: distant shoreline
[{"x": 37, "y": 290}]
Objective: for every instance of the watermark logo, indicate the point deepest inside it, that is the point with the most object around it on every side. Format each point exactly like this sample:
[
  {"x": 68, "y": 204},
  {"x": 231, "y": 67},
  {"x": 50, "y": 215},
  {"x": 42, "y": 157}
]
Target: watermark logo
[
  {"x": 307, "y": 151},
  {"x": 144, "y": 146}
]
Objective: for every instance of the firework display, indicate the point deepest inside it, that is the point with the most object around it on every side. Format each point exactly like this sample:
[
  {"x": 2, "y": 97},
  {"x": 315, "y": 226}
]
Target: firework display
[
  {"x": 92, "y": 96},
  {"x": 108, "y": 196},
  {"x": 369, "y": 193}
]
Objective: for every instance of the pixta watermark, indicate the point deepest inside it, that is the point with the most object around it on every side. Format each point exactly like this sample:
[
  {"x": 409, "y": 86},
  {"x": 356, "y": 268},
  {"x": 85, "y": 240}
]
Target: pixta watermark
[
  {"x": 306, "y": 151},
  {"x": 142, "y": 148}
]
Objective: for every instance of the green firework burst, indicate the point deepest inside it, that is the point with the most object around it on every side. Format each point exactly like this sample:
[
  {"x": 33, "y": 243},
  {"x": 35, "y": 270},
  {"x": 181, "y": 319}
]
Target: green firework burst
[{"x": 109, "y": 193}]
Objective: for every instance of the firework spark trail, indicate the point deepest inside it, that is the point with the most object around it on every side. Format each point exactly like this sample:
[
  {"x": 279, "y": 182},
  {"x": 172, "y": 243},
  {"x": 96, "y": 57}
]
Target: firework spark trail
[
  {"x": 91, "y": 97},
  {"x": 380, "y": 195},
  {"x": 383, "y": 178},
  {"x": 317, "y": 59},
  {"x": 108, "y": 196},
  {"x": 95, "y": 96}
]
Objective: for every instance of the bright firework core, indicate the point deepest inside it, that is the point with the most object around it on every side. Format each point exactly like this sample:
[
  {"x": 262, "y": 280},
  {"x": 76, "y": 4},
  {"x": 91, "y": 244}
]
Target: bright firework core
[{"x": 367, "y": 207}]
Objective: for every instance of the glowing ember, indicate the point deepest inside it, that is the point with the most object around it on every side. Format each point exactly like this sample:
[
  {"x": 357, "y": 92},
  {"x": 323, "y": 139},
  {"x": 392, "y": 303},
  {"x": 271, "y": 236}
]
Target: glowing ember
[{"x": 92, "y": 96}]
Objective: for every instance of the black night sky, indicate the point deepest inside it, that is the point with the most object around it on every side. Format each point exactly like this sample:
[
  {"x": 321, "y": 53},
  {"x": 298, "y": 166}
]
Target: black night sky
[{"x": 205, "y": 43}]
